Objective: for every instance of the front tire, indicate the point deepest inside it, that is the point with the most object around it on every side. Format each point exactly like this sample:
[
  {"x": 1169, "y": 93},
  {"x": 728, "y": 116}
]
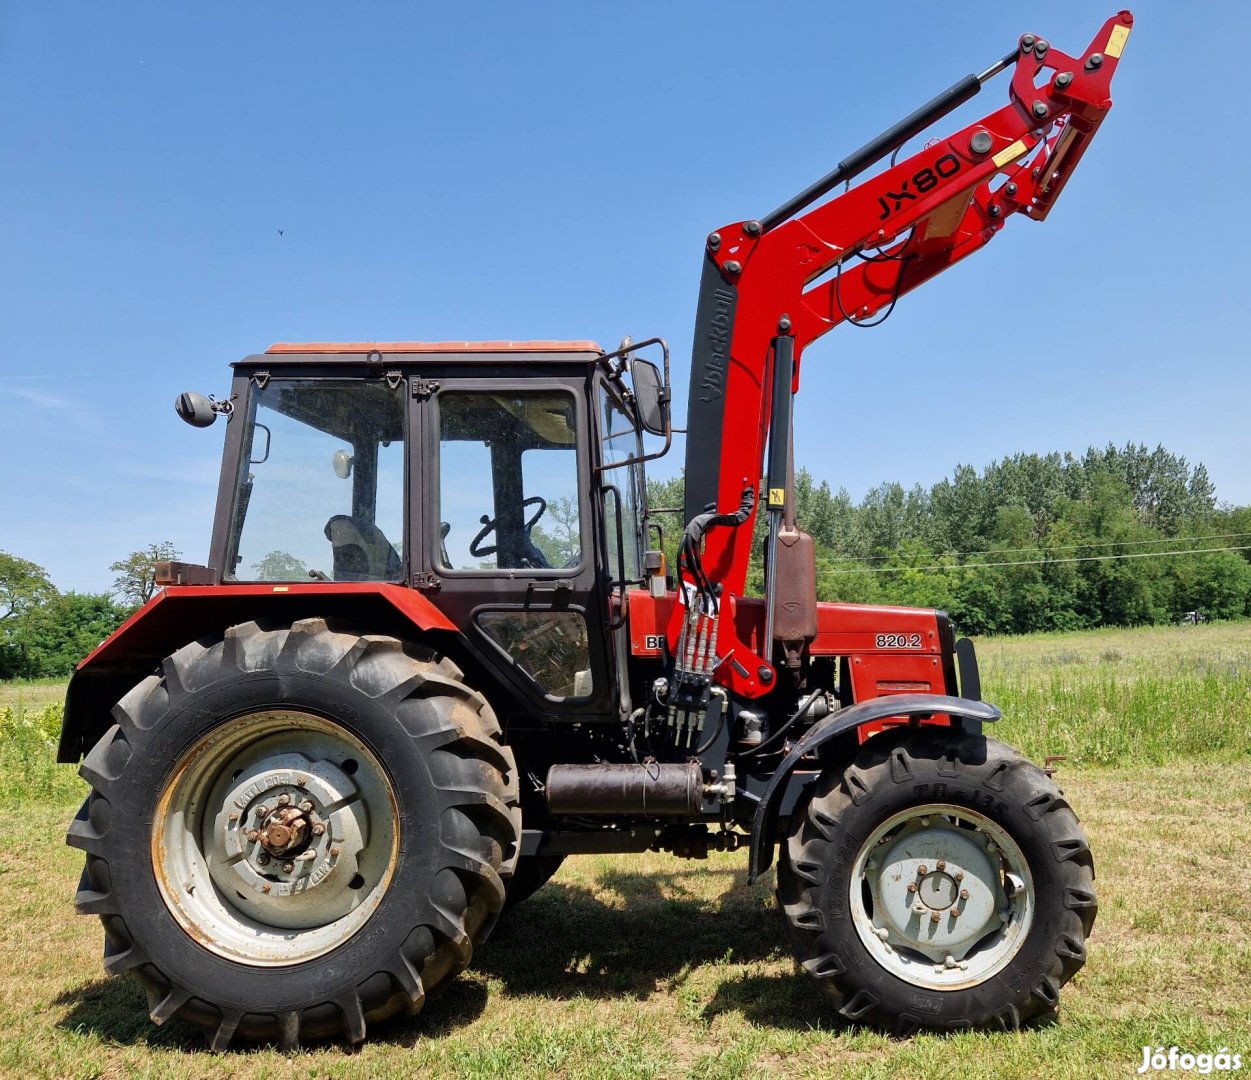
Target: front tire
[
  {"x": 939, "y": 881},
  {"x": 294, "y": 832}
]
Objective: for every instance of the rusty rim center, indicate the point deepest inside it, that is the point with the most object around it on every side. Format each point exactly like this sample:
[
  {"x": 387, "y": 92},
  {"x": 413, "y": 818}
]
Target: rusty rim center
[{"x": 285, "y": 831}]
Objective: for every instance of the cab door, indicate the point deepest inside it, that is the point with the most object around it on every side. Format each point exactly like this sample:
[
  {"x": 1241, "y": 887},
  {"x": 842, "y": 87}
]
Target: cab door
[{"x": 508, "y": 524}]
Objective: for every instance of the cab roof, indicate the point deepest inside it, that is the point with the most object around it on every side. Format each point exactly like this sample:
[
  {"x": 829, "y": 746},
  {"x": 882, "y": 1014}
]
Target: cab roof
[{"x": 389, "y": 347}]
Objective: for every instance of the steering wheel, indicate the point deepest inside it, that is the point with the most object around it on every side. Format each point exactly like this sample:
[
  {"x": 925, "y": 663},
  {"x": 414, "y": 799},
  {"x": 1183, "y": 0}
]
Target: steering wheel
[{"x": 488, "y": 524}]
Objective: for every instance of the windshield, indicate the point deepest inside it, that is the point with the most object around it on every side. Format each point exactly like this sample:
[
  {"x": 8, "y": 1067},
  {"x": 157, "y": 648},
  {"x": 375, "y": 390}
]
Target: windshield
[{"x": 320, "y": 494}]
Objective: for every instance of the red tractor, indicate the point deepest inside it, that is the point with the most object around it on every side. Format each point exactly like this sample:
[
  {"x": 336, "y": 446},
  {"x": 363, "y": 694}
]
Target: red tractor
[{"x": 437, "y": 649}]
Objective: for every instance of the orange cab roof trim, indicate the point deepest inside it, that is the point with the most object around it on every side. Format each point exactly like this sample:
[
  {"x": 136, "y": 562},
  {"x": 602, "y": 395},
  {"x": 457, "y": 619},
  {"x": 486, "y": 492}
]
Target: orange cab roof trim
[{"x": 432, "y": 346}]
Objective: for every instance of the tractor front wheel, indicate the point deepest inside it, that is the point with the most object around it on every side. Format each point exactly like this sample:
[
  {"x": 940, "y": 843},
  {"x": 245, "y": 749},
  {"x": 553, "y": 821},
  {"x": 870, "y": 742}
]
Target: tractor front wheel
[
  {"x": 939, "y": 881},
  {"x": 295, "y": 831}
]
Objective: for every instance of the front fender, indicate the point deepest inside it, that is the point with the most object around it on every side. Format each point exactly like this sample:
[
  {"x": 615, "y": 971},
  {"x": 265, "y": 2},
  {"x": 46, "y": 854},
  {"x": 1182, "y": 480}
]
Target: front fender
[
  {"x": 764, "y": 826},
  {"x": 183, "y": 613}
]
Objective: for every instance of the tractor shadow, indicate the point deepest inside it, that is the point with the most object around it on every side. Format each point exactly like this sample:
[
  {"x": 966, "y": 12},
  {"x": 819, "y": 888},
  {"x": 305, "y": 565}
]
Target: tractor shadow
[
  {"x": 636, "y": 934},
  {"x": 116, "y": 1010},
  {"x": 631, "y": 935}
]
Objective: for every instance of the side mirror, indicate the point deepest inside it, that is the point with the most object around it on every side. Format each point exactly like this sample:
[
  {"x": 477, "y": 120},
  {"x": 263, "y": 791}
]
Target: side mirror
[
  {"x": 651, "y": 396},
  {"x": 195, "y": 409},
  {"x": 200, "y": 411}
]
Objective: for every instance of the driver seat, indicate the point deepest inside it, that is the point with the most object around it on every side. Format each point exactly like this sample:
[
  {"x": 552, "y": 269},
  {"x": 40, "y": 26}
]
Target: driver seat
[{"x": 361, "y": 551}]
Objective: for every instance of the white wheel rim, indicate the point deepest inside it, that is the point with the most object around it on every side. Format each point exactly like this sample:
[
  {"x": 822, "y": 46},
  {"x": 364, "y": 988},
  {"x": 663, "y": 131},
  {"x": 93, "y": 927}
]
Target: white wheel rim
[
  {"x": 941, "y": 896},
  {"x": 275, "y": 838}
]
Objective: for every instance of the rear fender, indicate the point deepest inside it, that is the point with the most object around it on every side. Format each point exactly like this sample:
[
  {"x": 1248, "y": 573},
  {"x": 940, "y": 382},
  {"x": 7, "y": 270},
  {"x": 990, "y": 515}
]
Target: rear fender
[
  {"x": 764, "y": 826},
  {"x": 181, "y": 614}
]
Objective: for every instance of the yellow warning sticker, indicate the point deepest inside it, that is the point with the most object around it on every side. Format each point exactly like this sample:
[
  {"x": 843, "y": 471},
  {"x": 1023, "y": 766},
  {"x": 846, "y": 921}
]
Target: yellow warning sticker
[
  {"x": 1116, "y": 43},
  {"x": 1009, "y": 153},
  {"x": 777, "y": 496}
]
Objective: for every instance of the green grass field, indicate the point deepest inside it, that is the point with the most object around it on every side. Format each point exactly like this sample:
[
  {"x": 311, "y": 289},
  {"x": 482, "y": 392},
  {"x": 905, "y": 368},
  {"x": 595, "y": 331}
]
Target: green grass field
[{"x": 650, "y": 966}]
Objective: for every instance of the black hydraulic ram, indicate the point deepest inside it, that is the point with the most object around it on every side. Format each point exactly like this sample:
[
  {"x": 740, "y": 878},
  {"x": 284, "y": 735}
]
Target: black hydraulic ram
[
  {"x": 778, "y": 472},
  {"x": 652, "y": 790},
  {"x": 891, "y": 139}
]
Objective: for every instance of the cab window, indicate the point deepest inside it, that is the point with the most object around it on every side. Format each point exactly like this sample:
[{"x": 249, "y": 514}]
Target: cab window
[{"x": 508, "y": 481}]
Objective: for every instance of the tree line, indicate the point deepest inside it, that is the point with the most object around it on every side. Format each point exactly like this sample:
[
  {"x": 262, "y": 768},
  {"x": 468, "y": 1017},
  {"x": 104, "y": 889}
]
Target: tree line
[
  {"x": 45, "y": 632},
  {"x": 1117, "y": 536},
  {"x": 1032, "y": 542}
]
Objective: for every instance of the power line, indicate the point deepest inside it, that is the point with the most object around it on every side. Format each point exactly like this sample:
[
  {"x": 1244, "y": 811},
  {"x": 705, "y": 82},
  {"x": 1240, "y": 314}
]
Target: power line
[
  {"x": 1032, "y": 562},
  {"x": 1064, "y": 547}
]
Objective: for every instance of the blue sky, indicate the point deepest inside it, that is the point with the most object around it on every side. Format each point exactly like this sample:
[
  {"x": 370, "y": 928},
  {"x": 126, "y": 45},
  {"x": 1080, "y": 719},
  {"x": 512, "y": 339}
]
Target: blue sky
[{"x": 525, "y": 170}]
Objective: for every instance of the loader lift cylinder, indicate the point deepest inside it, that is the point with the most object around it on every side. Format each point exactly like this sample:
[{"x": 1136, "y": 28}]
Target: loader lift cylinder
[
  {"x": 891, "y": 139},
  {"x": 778, "y": 479}
]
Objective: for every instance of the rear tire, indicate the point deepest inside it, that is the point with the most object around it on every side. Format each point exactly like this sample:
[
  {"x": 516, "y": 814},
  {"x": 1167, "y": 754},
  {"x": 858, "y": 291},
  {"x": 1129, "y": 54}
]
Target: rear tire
[
  {"x": 401, "y": 827},
  {"x": 939, "y": 881}
]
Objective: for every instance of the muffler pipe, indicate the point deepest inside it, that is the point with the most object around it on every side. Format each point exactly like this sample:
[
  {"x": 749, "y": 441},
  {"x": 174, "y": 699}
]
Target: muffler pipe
[{"x": 652, "y": 790}]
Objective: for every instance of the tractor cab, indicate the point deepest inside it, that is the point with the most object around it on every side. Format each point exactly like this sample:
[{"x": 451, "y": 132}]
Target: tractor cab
[{"x": 503, "y": 481}]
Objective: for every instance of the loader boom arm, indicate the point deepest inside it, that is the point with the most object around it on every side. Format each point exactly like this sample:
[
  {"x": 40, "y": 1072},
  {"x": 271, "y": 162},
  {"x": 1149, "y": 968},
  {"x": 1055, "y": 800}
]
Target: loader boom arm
[{"x": 798, "y": 272}]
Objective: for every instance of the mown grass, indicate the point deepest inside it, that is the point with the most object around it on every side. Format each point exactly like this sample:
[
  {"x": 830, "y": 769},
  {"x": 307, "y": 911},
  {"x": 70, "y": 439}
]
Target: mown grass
[{"x": 647, "y": 966}]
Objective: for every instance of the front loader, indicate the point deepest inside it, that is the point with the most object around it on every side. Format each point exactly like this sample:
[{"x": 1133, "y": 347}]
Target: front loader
[{"x": 437, "y": 648}]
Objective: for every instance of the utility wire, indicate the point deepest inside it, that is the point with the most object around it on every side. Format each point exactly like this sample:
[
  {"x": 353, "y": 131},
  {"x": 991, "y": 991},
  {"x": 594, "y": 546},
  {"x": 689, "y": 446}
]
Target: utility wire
[
  {"x": 1062, "y": 547},
  {"x": 1032, "y": 562}
]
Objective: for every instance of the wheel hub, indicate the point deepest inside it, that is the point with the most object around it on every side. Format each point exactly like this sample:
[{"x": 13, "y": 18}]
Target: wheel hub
[
  {"x": 938, "y": 891},
  {"x": 939, "y": 896},
  {"x": 288, "y": 825},
  {"x": 284, "y": 831},
  {"x": 276, "y": 837}
]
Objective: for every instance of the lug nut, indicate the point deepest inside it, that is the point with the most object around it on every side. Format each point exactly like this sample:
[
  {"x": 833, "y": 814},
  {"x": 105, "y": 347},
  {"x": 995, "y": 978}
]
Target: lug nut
[
  {"x": 934, "y": 917},
  {"x": 300, "y": 781},
  {"x": 283, "y": 800},
  {"x": 954, "y": 912},
  {"x": 912, "y": 886},
  {"x": 253, "y": 835},
  {"x": 266, "y": 887},
  {"x": 334, "y": 851},
  {"x": 923, "y": 870},
  {"x": 964, "y": 894},
  {"x": 941, "y": 864},
  {"x": 263, "y": 858},
  {"x": 261, "y": 811},
  {"x": 287, "y": 867},
  {"x": 307, "y": 806},
  {"x": 959, "y": 875},
  {"x": 234, "y": 816},
  {"x": 318, "y": 829}
]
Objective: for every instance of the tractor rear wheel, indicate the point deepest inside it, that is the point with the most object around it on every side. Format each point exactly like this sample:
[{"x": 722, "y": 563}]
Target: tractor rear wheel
[
  {"x": 295, "y": 831},
  {"x": 938, "y": 881}
]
